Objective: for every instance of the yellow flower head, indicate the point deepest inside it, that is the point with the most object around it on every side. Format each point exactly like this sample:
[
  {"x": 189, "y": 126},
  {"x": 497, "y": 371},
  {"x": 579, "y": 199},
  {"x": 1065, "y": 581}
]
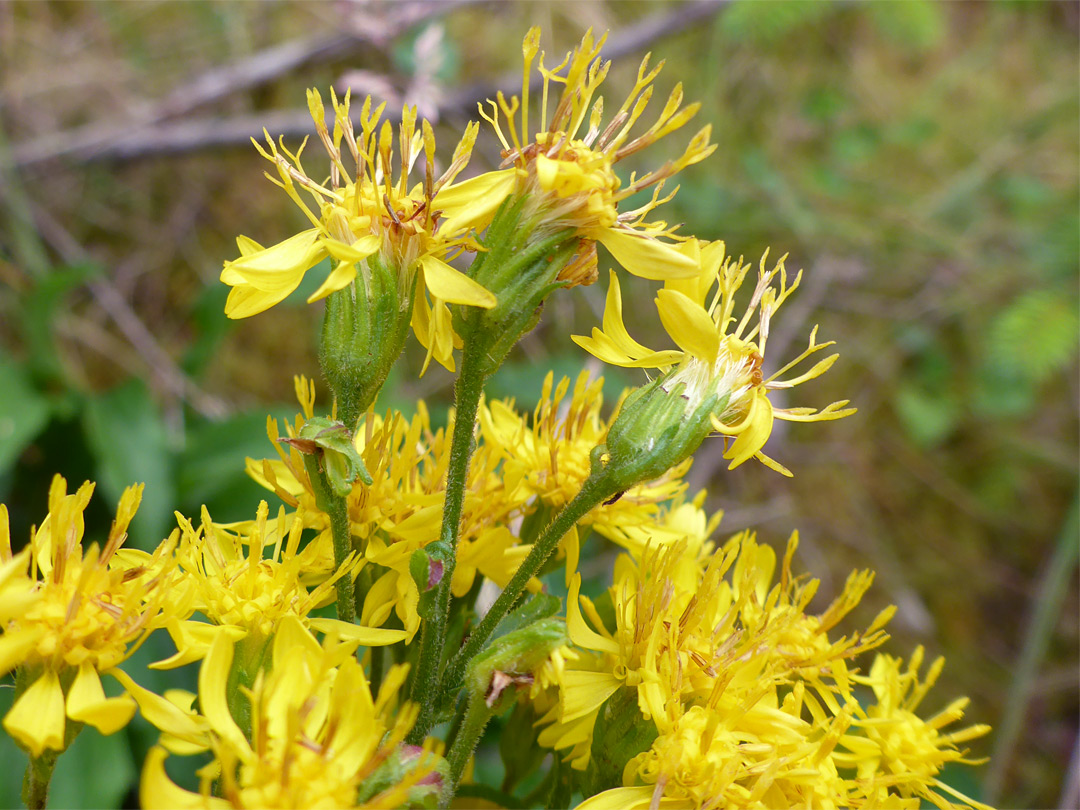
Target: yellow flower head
[
  {"x": 705, "y": 628},
  {"x": 896, "y": 751},
  {"x": 365, "y": 215},
  {"x": 316, "y": 734},
  {"x": 565, "y": 168},
  {"x": 402, "y": 509},
  {"x": 68, "y": 616},
  {"x": 719, "y": 354},
  {"x": 753, "y": 755},
  {"x": 247, "y": 595},
  {"x": 548, "y": 458}
]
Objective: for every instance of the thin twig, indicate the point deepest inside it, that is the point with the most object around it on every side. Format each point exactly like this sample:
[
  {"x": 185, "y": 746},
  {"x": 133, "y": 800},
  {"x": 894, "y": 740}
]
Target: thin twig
[
  {"x": 143, "y": 134},
  {"x": 161, "y": 137},
  {"x": 170, "y": 376}
]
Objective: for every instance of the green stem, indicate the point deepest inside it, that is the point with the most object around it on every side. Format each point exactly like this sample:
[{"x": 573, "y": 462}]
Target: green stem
[
  {"x": 596, "y": 489},
  {"x": 342, "y": 534},
  {"x": 39, "y": 773},
  {"x": 476, "y": 719},
  {"x": 467, "y": 393},
  {"x": 1052, "y": 589}
]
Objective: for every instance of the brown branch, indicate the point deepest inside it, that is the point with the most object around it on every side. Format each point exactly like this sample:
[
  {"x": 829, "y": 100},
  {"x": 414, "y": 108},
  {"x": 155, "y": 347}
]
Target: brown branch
[
  {"x": 148, "y": 134},
  {"x": 159, "y": 137},
  {"x": 161, "y": 365}
]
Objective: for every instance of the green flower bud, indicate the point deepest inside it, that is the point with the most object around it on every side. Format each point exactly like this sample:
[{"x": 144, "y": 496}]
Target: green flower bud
[
  {"x": 654, "y": 430},
  {"x": 364, "y": 330},
  {"x": 512, "y": 659},
  {"x": 521, "y": 268}
]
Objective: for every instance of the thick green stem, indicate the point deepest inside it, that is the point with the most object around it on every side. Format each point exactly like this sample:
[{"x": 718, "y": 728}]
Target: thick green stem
[
  {"x": 596, "y": 489},
  {"x": 467, "y": 393},
  {"x": 476, "y": 719},
  {"x": 339, "y": 527},
  {"x": 39, "y": 773}
]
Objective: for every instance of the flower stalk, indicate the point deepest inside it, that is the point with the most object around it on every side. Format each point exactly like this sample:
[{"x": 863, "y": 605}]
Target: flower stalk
[{"x": 521, "y": 271}]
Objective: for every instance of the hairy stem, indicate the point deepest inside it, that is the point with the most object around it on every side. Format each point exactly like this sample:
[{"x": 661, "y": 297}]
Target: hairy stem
[
  {"x": 467, "y": 393},
  {"x": 596, "y": 489},
  {"x": 339, "y": 527},
  {"x": 476, "y": 719}
]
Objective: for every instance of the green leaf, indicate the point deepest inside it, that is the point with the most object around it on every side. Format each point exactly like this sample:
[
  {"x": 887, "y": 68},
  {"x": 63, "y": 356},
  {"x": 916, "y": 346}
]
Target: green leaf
[
  {"x": 915, "y": 24},
  {"x": 125, "y": 432},
  {"x": 927, "y": 418},
  {"x": 24, "y": 412},
  {"x": 210, "y": 468},
  {"x": 94, "y": 772},
  {"x": 1035, "y": 336},
  {"x": 39, "y": 307}
]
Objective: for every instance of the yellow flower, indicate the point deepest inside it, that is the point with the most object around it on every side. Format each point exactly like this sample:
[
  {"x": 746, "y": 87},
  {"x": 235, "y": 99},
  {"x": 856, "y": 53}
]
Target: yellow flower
[
  {"x": 366, "y": 216},
  {"x": 68, "y": 616},
  {"x": 402, "y": 509},
  {"x": 896, "y": 751},
  {"x": 548, "y": 458},
  {"x": 565, "y": 169},
  {"x": 754, "y": 755},
  {"x": 713, "y": 358},
  {"x": 246, "y": 596},
  {"x": 707, "y": 628},
  {"x": 316, "y": 733}
]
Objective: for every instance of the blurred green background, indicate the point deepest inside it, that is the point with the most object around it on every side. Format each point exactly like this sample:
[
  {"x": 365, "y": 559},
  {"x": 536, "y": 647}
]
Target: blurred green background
[{"x": 918, "y": 160}]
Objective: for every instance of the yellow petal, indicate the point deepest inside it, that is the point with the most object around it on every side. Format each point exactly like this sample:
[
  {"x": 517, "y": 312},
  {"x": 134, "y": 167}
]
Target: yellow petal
[
  {"x": 86, "y": 702},
  {"x": 15, "y": 645},
  {"x": 472, "y": 203},
  {"x": 453, "y": 286},
  {"x": 157, "y": 790},
  {"x": 193, "y": 640},
  {"x": 580, "y": 633},
  {"x": 245, "y": 301},
  {"x": 614, "y": 326},
  {"x": 622, "y": 798},
  {"x": 688, "y": 324},
  {"x": 584, "y": 691},
  {"x": 367, "y": 636},
  {"x": 37, "y": 718},
  {"x": 603, "y": 348},
  {"x": 162, "y": 713},
  {"x": 646, "y": 257},
  {"x": 340, "y": 278},
  {"x": 247, "y": 245},
  {"x": 356, "y": 252},
  {"x": 213, "y": 681},
  {"x": 756, "y": 433},
  {"x": 279, "y": 266}
]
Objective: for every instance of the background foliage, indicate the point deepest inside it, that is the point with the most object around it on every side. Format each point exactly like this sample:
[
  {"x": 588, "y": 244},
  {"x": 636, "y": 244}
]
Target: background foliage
[{"x": 917, "y": 159}]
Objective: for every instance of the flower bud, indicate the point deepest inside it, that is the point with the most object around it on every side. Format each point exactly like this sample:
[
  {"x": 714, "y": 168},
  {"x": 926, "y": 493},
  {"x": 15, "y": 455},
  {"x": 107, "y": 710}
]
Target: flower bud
[
  {"x": 399, "y": 767},
  {"x": 654, "y": 430},
  {"x": 521, "y": 266},
  {"x": 364, "y": 330},
  {"x": 512, "y": 659}
]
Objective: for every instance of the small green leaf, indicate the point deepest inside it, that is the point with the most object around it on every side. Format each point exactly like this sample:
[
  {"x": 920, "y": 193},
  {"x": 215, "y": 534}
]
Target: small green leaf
[
  {"x": 928, "y": 419},
  {"x": 95, "y": 771},
  {"x": 1035, "y": 336},
  {"x": 24, "y": 412},
  {"x": 128, "y": 439}
]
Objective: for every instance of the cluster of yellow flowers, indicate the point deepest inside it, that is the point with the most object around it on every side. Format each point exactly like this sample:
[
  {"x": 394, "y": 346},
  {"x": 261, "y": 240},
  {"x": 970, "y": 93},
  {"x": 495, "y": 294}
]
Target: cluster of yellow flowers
[{"x": 699, "y": 678}]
